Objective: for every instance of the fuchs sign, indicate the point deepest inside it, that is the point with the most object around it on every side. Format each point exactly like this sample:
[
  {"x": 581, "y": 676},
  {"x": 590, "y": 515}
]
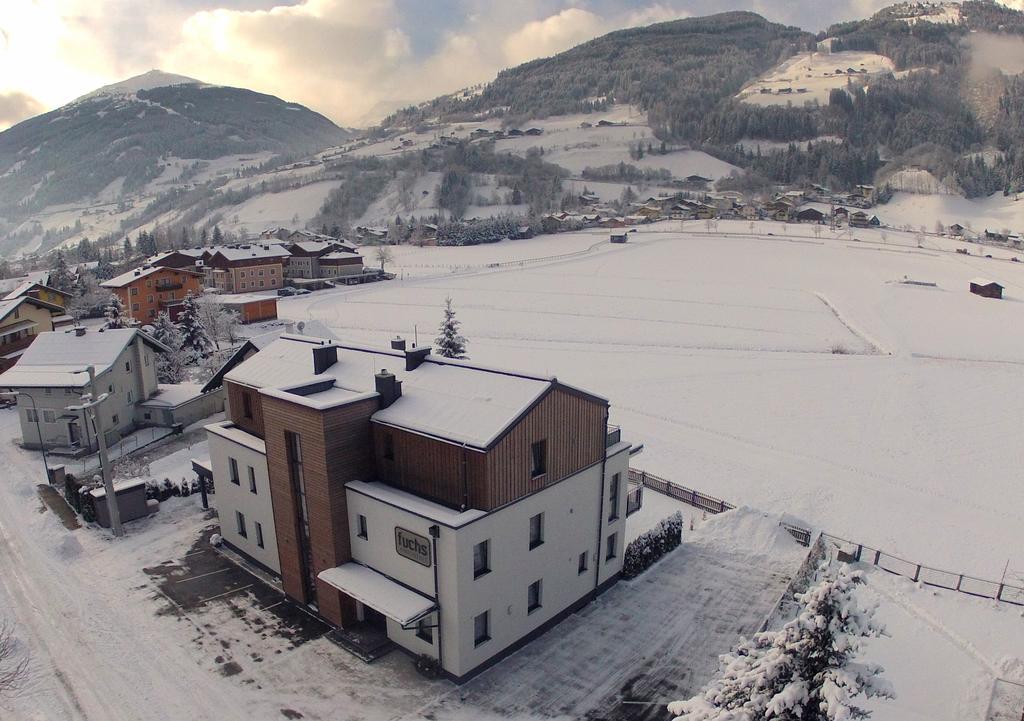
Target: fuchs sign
[{"x": 413, "y": 546}]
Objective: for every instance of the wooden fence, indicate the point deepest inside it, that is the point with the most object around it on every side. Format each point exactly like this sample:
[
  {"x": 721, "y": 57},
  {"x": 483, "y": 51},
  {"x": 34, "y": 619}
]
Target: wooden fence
[{"x": 960, "y": 582}]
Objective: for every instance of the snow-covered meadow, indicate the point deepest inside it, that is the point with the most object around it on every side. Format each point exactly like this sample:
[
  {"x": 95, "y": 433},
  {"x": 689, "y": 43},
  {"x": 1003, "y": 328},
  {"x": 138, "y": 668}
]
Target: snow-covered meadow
[{"x": 794, "y": 374}]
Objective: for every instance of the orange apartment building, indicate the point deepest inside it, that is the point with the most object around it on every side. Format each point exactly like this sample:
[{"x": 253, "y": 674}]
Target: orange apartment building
[{"x": 147, "y": 291}]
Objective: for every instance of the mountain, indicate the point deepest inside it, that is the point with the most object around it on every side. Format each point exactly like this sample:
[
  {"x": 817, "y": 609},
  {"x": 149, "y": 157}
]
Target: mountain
[{"x": 115, "y": 140}]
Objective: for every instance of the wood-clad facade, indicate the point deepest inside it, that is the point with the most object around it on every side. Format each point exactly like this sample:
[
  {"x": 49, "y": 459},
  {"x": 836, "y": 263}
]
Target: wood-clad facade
[
  {"x": 335, "y": 447},
  {"x": 572, "y": 426},
  {"x": 245, "y": 408}
]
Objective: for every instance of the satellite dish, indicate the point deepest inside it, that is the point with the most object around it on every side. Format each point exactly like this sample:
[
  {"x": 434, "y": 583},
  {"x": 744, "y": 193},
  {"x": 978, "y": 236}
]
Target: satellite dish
[{"x": 301, "y": 326}]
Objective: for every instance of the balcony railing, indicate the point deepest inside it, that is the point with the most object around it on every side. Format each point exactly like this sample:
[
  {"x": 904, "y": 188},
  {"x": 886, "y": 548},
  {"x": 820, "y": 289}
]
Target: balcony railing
[
  {"x": 634, "y": 500},
  {"x": 162, "y": 287},
  {"x": 614, "y": 436}
]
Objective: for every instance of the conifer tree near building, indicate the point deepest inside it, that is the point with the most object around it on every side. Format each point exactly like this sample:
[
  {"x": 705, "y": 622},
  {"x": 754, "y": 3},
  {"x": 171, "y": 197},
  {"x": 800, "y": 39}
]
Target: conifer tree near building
[
  {"x": 450, "y": 343},
  {"x": 114, "y": 313},
  {"x": 170, "y": 366},
  {"x": 195, "y": 340}
]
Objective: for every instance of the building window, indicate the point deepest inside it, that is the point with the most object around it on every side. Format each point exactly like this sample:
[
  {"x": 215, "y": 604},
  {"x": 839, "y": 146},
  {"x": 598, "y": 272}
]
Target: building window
[
  {"x": 128, "y": 366},
  {"x": 362, "y": 527},
  {"x": 259, "y": 534},
  {"x": 424, "y": 631},
  {"x": 49, "y": 416},
  {"x": 240, "y": 522},
  {"x": 47, "y": 391},
  {"x": 538, "y": 459},
  {"x": 389, "y": 446},
  {"x": 481, "y": 558},
  {"x": 482, "y": 628},
  {"x": 613, "y": 498},
  {"x": 31, "y": 415},
  {"x": 135, "y": 306},
  {"x": 114, "y": 419},
  {"x": 129, "y": 396},
  {"x": 149, "y": 298},
  {"x": 533, "y": 598},
  {"x": 247, "y": 405},
  {"x": 536, "y": 530},
  {"x": 581, "y": 567},
  {"x": 134, "y": 291},
  {"x": 233, "y": 471},
  {"x": 252, "y": 480},
  {"x": 610, "y": 550}
]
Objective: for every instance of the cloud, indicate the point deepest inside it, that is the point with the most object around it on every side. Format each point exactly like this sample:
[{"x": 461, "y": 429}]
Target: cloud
[
  {"x": 552, "y": 35},
  {"x": 16, "y": 106}
]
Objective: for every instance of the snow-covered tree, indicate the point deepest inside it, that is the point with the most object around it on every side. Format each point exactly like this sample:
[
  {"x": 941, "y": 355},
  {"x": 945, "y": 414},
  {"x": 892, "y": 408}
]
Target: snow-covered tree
[
  {"x": 220, "y": 322},
  {"x": 802, "y": 672},
  {"x": 450, "y": 343},
  {"x": 195, "y": 339},
  {"x": 114, "y": 313},
  {"x": 383, "y": 255},
  {"x": 61, "y": 277},
  {"x": 170, "y": 366}
]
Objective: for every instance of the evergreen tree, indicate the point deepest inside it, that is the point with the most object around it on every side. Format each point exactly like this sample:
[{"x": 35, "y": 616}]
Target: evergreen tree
[
  {"x": 203, "y": 237},
  {"x": 218, "y": 236},
  {"x": 61, "y": 277},
  {"x": 114, "y": 313},
  {"x": 129, "y": 251},
  {"x": 450, "y": 343},
  {"x": 85, "y": 250},
  {"x": 195, "y": 341},
  {"x": 803, "y": 672},
  {"x": 104, "y": 269},
  {"x": 170, "y": 366}
]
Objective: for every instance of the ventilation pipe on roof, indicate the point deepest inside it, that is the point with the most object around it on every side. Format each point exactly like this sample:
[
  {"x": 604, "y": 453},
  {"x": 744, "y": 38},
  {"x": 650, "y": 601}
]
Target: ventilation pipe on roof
[
  {"x": 324, "y": 356},
  {"x": 415, "y": 356},
  {"x": 388, "y": 387}
]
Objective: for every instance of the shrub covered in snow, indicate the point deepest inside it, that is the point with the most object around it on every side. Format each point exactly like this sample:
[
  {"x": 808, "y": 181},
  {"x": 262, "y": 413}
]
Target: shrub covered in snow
[
  {"x": 805, "y": 670},
  {"x": 646, "y": 549}
]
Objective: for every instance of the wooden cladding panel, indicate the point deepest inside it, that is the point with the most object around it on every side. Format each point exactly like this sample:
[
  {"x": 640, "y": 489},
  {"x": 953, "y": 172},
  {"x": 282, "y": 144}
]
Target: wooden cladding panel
[
  {"x": 429, "y": 467},
  {"x": 236, "y": 407},
  {"x": 573, "y": 427},
  {"x": 336, "y": 448}
]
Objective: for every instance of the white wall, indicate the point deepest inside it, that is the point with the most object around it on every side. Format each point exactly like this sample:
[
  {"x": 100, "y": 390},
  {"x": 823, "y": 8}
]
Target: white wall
[
  {"x": 229, "y": 498},
  {"x": 572, "y": 511}
]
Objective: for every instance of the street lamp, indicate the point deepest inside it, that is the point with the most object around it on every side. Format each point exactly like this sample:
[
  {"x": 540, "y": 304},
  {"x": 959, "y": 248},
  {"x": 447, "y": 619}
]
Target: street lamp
[
  {"x": 90, "y": 405},
  {"x": 39, "y": 431}
]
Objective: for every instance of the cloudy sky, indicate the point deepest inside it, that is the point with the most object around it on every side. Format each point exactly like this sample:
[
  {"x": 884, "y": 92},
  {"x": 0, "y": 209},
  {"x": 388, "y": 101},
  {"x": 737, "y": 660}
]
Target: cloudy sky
[{"x": 353, "y": 60}]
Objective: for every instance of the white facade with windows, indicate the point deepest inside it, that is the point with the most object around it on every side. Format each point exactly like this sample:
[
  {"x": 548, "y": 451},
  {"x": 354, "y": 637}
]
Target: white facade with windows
[
  {"x": 500, "y": 576},
  {"x": 239, "y": 461}
]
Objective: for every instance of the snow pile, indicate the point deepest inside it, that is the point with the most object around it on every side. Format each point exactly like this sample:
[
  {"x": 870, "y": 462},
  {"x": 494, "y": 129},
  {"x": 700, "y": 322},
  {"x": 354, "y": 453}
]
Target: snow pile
[{"x": 746, "y": 531}]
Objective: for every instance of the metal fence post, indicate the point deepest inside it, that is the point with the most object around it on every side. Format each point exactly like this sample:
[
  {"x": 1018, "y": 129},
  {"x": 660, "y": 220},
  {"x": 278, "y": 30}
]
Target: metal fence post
[{"x": 878, "y": 556}]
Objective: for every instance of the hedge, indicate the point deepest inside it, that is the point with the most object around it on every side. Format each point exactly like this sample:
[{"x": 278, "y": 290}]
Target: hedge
[{"x": 645, "y": 550}]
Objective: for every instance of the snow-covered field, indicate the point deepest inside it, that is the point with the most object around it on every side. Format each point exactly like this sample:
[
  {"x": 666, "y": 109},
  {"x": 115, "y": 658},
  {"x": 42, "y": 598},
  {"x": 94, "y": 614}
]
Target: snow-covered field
[
  {"x": 716, "y": 351},
  {"x": 817, "y": 74}
]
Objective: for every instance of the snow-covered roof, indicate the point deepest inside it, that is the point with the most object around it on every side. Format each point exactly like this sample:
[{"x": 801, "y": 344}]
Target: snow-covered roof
[
  {"x": 341, "y": 255},
  {"x": 246, "y": 252},
  {"x": 984, "y": 281},
  {"x": 416, "y": 504},
  {"x": 119, "y": 486},
  {"x": 229, "y": 431},
  {"x": 171, "y": 395},
  {"x": 457, "y": 401},
  {"x": 240, "y": 298},
  {"x": 119, "y": 281},
  {"x": 379, "y": 592},
  {"x": 59, "y": 358},
  {"x": 29, "y": 285}
]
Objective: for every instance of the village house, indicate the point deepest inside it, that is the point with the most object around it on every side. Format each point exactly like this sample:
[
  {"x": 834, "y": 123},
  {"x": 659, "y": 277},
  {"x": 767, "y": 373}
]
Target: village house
[
  {"x": 247, "y": 268},
  {"x": 810, "y": 215},
  {"x": 956, "y": 230},
  {"x": 51, "y": 376},
  {"x": 42, "y": 292},
  {"x": 147, "y": 291},
  {"x": 22, "y": 319},
  {"x": 986, "y": 288},
  {"x": 455, "y": 510},
  {"x": 859, "y": 219},
  {"x": 340, "y": 264}
]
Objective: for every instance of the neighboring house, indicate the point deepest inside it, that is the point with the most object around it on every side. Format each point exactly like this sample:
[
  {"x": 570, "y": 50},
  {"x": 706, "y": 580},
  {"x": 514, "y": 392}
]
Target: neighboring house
[
  {"x": 147, "y": 291},
  {"x": 457, "y": 510},
  {"x": 51, "y": 375},
  {"x": 859, "y": 219},
  {"x": 306, "y": 256},
  {"x": 191, "y": 258},
  {"x": 22, "y": 319},
  {"x": 956, "y": 230},
  {"x": 340, "y": 263},
  {"x": 249, "y": 267},
  {"x": 810, "y": 215},
  {"x": 41, "y": 292}
]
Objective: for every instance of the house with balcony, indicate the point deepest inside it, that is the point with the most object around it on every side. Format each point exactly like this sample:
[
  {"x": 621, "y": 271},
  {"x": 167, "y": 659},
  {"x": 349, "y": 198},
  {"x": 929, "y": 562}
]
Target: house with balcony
[
  {"x": 147, "y": 291},
  {"x": 51, "y": 375},
  {"x": 22, "y": 319},
  {"x": 441, "y": 507},
  {"x": 246, "y": 268}
]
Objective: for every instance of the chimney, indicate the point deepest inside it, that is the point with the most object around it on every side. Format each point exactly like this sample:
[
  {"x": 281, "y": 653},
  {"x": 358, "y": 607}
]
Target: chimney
[
  {"x": 324, "y": 356},
  {"x": 390, "y": 390},
  {"x": 414, "y": 357},
  {"x": 398, "y": 343}
]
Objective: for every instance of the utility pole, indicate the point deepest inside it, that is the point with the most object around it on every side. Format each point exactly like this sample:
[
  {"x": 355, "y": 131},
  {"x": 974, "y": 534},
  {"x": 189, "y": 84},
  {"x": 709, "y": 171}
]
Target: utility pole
[{"x": 91, "y": 407}]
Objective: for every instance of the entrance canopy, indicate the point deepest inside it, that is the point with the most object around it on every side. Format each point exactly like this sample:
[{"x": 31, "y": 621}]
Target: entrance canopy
[{"x": 379, "y": 592}]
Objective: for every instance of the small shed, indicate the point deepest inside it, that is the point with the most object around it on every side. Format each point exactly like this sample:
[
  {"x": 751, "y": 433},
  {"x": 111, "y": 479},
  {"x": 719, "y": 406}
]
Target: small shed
[
  {"x": 619, "y": 237},
  {"x": 251, "y": 307},
  {"x": 131, "y": 501},
  {"x": 986, "y": 288}
]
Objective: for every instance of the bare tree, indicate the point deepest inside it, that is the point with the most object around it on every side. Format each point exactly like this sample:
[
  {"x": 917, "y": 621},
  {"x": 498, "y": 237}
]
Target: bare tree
[
  {"x": 383, "y": 255},
  {"x": 13, "y": 662},
  {"x": 220, "y": 322}
]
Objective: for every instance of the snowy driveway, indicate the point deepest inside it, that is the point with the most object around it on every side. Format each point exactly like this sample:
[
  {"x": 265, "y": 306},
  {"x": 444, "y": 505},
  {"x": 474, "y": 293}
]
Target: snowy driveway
[{"x": 647, "y": 641}]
